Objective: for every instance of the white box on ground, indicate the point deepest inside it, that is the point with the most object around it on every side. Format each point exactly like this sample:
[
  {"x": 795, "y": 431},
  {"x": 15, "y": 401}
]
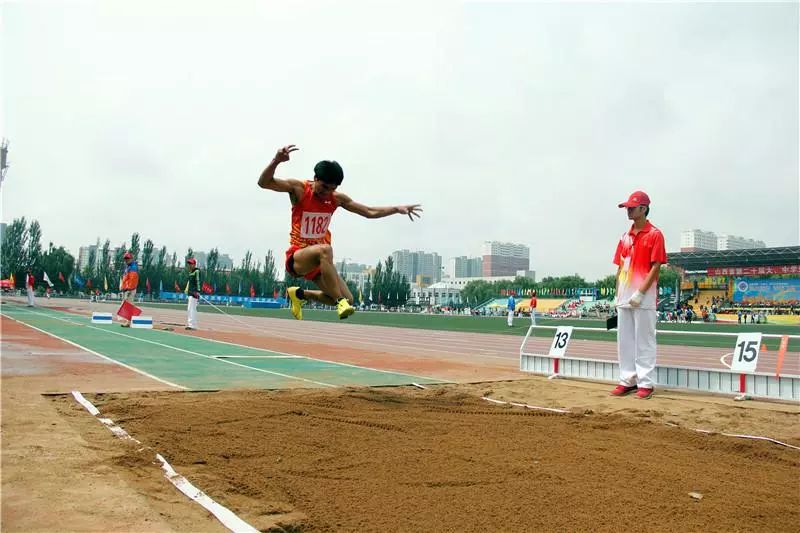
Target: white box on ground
[
  {"x": 102, "y": 318},
  {"x": 560, "y": 341},
  {"x": 142, "y": 322},
  {"x": 745, "y": 353}
]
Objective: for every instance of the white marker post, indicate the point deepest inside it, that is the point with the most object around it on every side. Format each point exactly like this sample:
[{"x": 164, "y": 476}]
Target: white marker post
[
  {"x": 559, "y": 347},
  {"x": 745, "y": 359}
]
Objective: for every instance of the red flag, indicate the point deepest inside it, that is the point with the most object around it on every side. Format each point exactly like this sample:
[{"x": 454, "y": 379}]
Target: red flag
[
  {"x": 89, "y": 283},
  {"x": 207, "y": 288},
  {"x": 252, "y": 291},
  {"x": 177, "y": 287},
  {"x": 128, "y": 310},
  {"x": 275, "y": 293},
  {"x": 61, "y": 277},
  {"x": 147, "y": 284},
  {"x": 227, "y": 288}
]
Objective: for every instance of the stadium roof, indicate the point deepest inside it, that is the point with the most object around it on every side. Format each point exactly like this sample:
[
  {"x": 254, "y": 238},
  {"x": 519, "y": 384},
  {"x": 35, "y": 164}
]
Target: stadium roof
[{"x": 701, "y": 260}]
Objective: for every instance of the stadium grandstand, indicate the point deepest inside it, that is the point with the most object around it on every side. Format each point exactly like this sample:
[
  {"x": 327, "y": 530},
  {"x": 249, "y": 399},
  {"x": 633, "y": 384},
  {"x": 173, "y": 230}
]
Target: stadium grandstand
[{"x": 724, "y": 285}]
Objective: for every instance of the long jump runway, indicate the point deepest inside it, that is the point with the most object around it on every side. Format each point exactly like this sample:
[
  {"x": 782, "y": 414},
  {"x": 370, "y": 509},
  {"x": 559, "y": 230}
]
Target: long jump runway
[{"x": 196, "y": 363}]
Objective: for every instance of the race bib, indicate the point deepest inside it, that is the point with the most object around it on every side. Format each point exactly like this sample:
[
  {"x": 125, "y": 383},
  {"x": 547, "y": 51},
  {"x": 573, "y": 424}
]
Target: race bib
[{"x": 314, "y": 225}]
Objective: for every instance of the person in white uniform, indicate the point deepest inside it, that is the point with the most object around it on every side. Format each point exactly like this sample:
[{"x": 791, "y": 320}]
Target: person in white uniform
[
  {"x": 639, "y": 256},
  {"x": 193, "y": 287}
]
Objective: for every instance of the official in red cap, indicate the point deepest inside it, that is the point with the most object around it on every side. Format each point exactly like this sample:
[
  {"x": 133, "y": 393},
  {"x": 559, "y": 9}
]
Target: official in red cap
[
  {"x": 640, "y": 253},
  {"x": 192, "y": 292},
  {"x": 130, "y": 282}
]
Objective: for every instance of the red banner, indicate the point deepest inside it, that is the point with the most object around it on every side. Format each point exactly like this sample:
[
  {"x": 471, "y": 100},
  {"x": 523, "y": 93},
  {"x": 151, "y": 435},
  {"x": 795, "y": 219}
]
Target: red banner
[{"x": 754, "y": 271}]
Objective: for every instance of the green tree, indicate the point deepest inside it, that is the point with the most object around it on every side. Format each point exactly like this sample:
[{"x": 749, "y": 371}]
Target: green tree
[
  {"x": 13, "y": 256},
  {"x": 89, "y": 269},
  {"x": 57, "y": 261},
  {"x": 34, "y": 254},
  {"x": 147, "y": 271},
  {"x": 135, "y": 247},
  {"x": 668, "y": 277},
  {"x": 119, "y": 266},
  {"x": 270, "y": 273},
  {"x": 212, "y": 268},
  {"x": 104, "y": 265}
]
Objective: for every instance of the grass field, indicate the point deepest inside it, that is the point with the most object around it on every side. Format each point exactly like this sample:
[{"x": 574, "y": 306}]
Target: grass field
[{"x": 497, "y": 325}]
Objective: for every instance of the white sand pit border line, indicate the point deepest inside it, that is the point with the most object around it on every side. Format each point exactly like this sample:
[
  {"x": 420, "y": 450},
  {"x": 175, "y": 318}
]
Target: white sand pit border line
[{"x": 226, "y": 517}]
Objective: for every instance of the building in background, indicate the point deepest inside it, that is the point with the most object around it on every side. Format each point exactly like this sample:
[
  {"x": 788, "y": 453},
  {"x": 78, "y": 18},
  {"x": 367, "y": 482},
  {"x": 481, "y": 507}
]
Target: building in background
[
  {"x": 732, "y": 242},
  {"x": 505, "y": 258},
  {"x": 696, "y": 240},
  {"x": 464, "y": 267},
  {"x": 413, "y": 264}
]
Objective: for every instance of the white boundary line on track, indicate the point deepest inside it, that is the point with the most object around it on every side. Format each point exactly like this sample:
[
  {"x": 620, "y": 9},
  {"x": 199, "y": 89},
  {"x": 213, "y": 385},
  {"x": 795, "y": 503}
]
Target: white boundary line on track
[
  {"x": 258, "y": 357},
  {"x": 336, "y": 362},
  {"x": 437, "y": 380},
  {"x": 104, "y": 330},
  {"x": 326, "y": 360},
  {"x": 134, "y": 369},
  {"x": 222, "y": 513}
]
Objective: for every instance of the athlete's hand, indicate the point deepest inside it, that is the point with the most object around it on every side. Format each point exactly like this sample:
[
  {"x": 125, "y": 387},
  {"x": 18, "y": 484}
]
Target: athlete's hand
[
  {"x": 283, "y": 153},
  {"x": 410, "y": 210}
]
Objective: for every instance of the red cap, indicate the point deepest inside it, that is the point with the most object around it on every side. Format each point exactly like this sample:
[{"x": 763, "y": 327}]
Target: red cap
[
  {"x": 636, "y": 199},
  {"x": 127, "y": 256},
  {"x": 191, "y": 261}
]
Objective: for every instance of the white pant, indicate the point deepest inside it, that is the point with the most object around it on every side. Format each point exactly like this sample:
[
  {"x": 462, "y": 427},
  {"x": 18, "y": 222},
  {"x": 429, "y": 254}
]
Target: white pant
[
  {"x": 636, "y": 346},
  {"x": 533, "y": 317},
  {"x": 510, "y": 318},
  {"x": 191, "y": 321},
  {"x": 30, "y": 296}
]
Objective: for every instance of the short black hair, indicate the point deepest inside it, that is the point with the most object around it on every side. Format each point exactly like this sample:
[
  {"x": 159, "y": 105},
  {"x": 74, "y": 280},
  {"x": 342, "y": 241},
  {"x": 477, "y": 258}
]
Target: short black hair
[{"x": 329, "y": 172}]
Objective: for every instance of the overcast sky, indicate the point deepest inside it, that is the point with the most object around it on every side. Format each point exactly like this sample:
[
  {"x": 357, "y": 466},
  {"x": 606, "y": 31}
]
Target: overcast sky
[{"x": 508, "y": 121}]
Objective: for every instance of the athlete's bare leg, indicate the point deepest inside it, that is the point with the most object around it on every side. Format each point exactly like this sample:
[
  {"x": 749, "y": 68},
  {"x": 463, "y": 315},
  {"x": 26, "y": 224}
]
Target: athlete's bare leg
[{"x": 321, "y": 255}]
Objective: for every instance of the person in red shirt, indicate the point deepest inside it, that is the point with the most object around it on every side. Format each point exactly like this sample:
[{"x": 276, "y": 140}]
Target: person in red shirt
[
  {"x": 533, "y": 308},
  {"x": 310, "y": 254},
  {"x": 639, "y": 256},
  {"x": 30, "y": 282}
]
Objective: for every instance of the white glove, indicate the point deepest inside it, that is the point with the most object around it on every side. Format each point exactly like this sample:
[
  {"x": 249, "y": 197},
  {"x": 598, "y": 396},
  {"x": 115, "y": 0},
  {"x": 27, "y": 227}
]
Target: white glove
[{"x": 636, "y": 299}]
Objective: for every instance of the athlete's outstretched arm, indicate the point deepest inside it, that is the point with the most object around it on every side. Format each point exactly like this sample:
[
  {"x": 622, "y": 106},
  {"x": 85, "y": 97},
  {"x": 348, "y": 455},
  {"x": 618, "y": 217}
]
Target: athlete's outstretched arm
[
  {"x": 377, "y": 212},
  {"x": 267, "y": 179}
]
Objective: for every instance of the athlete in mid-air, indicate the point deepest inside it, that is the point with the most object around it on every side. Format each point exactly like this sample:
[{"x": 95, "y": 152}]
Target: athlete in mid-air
[{"x": 310, "y": 254}]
